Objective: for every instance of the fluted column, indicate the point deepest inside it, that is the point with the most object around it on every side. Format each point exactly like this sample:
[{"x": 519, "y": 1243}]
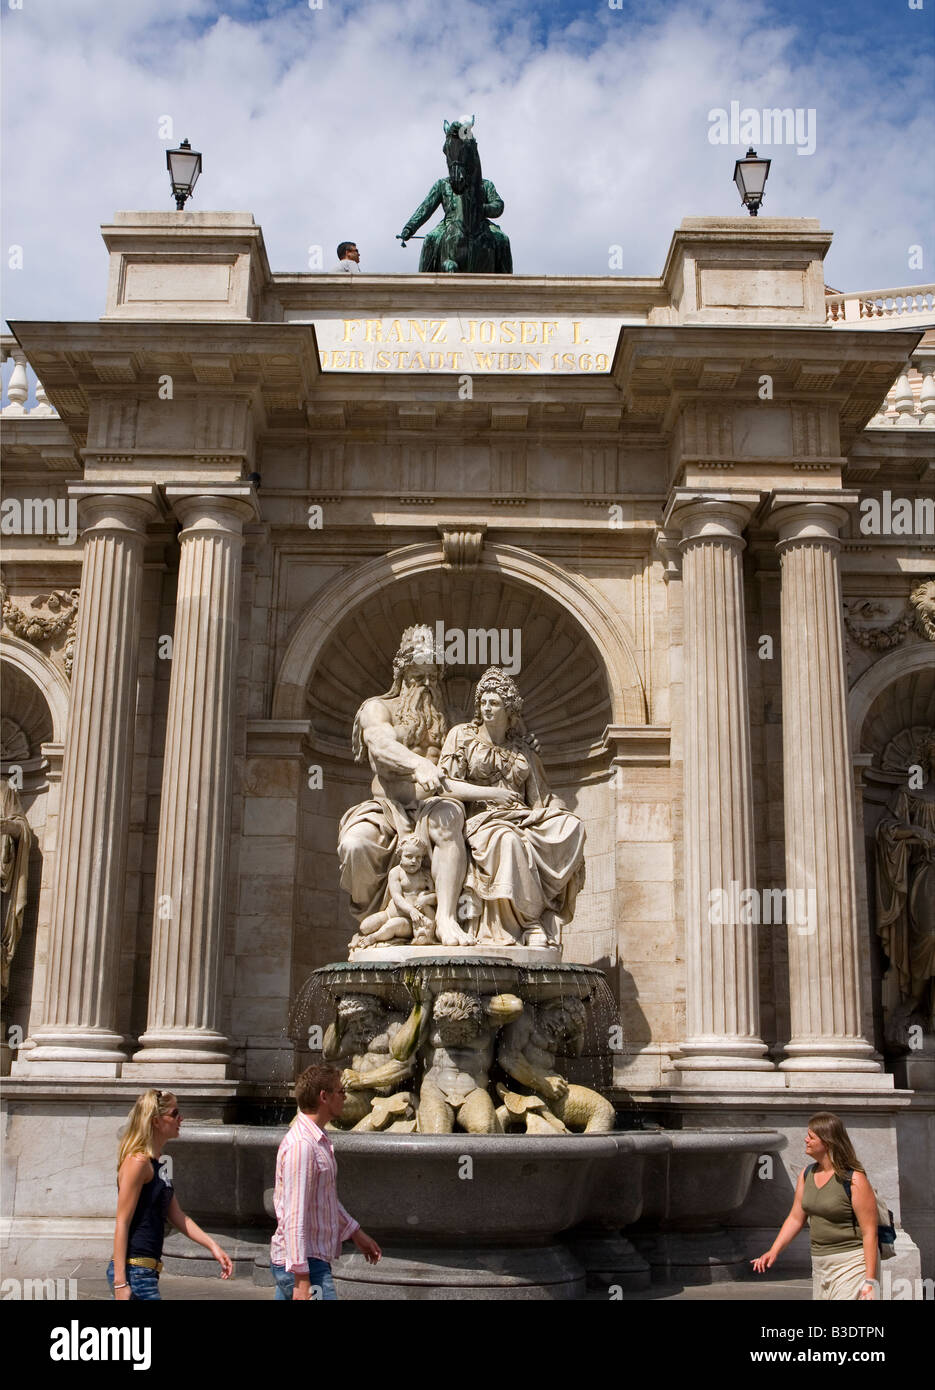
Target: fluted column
[
  {"x": 79, "y": 1015},
  {"x": 194, "y": 818},
  {"x": 720, "y": 942},
  {"x": 818, "y": 789}
]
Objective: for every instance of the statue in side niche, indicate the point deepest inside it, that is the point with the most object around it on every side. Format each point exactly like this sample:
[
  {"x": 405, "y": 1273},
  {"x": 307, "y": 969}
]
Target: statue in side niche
[
  {"x": 16, "y": 839},
  {"x": 527, "y": 1052},
  {"x": 458, "y": 1055},
  {"x": 906, "y": 898}
]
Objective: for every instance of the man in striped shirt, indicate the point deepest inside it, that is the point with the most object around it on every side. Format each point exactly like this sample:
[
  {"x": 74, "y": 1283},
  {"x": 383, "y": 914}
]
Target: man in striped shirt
[{"x": 311, "y": 1222}]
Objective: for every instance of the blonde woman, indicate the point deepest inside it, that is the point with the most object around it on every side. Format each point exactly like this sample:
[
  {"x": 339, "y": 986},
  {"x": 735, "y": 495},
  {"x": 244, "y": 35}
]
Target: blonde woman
[
  {"x": 146, "y": 1201},
  {"x": 843, "y": 1227}
]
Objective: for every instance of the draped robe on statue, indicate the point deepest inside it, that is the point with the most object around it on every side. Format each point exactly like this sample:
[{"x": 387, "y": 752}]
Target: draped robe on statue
[{"x": 527, "y": 861}]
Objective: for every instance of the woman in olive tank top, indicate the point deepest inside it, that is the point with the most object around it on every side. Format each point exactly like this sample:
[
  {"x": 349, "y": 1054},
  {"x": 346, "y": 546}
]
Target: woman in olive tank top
[
  {"x": 146, "y": 1201},
  {"x": 843, "y": 1228}
]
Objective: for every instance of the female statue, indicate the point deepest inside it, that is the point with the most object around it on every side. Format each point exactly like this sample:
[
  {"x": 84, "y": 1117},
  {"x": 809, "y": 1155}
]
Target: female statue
[{"x": 527, "y": 849}]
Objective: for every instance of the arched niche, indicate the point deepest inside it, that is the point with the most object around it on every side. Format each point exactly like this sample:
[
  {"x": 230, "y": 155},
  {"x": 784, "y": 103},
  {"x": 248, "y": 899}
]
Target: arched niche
[
  {"x": 578, "y": 673},
  {"x": 873, "y": 702},
  {"x": 34, "y": 713},
  {"x": 30, "y": 674}
]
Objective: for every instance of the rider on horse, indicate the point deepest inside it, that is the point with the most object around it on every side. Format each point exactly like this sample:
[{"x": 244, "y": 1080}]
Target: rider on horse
[{"x": 465, "y": 240}]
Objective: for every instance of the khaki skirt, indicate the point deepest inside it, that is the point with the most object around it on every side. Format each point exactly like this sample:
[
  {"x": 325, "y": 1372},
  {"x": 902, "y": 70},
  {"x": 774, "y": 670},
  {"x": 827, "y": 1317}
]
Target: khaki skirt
[{"x": 839, "y": 1276}]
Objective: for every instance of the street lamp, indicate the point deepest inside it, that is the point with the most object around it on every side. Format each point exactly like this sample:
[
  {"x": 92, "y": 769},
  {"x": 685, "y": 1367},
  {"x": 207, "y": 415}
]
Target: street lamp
[
  {"x": 750, "y": 175},
  {"x": 184, "y": 165}
]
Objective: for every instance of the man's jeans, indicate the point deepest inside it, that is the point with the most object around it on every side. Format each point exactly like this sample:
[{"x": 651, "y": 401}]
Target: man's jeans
[
  {"x": 319, "y": 1273},
  {"x": 144, "y": 1283}
]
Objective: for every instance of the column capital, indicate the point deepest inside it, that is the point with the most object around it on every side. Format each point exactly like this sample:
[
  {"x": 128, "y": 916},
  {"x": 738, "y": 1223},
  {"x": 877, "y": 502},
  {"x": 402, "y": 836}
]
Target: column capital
[
  {"x": 710, "y": 516},
  {"x": 214, "y": 507},
  {"x": 667, "y": 543},
  {"x": 815, "y": 515},
  {"x": 116, "y": 507}
]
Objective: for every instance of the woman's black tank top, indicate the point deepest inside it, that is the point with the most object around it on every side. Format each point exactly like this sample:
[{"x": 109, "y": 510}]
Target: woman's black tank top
[{"x": 148, "y": 1222}]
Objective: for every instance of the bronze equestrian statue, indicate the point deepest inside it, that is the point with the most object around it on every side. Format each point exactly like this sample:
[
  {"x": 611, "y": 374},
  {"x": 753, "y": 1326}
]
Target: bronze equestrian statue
[{"x": 465, "y": 241}]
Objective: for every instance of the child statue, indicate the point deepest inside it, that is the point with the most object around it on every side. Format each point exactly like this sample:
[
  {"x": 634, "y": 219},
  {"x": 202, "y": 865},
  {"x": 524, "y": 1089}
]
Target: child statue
[{"x": 410, "y": 914}]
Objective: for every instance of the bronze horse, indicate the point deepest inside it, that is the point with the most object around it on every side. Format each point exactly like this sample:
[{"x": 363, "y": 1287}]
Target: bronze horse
[{"x": 465, "y": 240}]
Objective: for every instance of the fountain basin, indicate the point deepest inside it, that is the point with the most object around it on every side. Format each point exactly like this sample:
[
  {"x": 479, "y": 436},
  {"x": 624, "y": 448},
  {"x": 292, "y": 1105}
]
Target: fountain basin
[
  {"x": 492, "y": 1227},
  {"x": 502, "y": 1189},
  {"x": 704, "y": 1175},
  {"x": 689, "y": 1191}
]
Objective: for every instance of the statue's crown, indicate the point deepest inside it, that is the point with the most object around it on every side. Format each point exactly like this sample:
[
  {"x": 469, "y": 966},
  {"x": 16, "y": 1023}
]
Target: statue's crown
[{"x": 417, "y": 645}]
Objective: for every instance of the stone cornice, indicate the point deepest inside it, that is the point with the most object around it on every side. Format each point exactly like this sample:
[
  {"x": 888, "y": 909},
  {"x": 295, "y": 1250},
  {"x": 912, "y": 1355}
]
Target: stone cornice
[
  {"x": 309, "y": 294},
  {"x": 276, "y": 364},
  {"x": 661, "y": 369}
]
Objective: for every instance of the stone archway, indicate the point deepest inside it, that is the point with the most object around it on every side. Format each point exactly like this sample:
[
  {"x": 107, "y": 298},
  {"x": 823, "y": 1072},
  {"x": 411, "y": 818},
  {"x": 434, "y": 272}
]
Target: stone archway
[
  {"x": 919, "y": 658},
  {"x": 42, "y": 674},
  {"x": 527, "y": 584}
]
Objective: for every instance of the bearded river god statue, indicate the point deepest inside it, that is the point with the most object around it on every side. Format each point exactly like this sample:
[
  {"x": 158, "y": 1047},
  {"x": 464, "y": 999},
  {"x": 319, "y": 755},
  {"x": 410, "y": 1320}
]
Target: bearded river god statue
[
  {"x": 462, "y": 843},
  {"x": 465, "y": 240}
]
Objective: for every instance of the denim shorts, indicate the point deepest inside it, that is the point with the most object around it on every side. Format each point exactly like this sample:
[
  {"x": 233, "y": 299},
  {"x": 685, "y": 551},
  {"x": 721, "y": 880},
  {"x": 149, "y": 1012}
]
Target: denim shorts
[
  {"x": 319, "y": 1273},
  {"x": 144, "y": 1283}
]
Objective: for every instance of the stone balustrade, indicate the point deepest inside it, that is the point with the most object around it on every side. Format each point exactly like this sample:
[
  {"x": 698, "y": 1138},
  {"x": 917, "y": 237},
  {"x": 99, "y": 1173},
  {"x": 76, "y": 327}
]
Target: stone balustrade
[
  {"x": 22, "y": 384},
  {"x": 876, "y": 308},
  {"x": 910, "y": 401}
]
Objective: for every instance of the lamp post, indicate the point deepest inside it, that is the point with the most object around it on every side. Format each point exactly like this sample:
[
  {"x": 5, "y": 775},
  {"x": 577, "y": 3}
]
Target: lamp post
[
  {"x": 184, "y": 165},
  {"x": 750, "y": 175}
]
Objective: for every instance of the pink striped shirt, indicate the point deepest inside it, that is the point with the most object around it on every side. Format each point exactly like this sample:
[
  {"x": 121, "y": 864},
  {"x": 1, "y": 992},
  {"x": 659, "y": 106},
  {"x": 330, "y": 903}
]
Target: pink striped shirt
[{"x": 310, "y": 1219}]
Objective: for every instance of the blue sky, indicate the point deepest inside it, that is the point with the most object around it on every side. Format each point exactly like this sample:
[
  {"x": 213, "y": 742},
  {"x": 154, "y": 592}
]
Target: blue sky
[{"x": 326, "y": 124}]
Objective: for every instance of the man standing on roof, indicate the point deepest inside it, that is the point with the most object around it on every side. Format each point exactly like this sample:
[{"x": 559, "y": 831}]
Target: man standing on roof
[{"x": 348, "y": 259}]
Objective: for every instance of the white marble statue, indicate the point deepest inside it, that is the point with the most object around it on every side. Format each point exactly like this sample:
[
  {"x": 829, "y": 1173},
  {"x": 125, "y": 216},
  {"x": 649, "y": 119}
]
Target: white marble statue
[
  {"x": 16, "y": 840},
  {"x": 411, "y": 913},
  {"x": 527, "y": 853},
  {"x": 507, "y": 857},
  {"x": 527, "y": 1052},
  {"x": 401, "y": 733},
  {"x": 461, "y": 1031}
]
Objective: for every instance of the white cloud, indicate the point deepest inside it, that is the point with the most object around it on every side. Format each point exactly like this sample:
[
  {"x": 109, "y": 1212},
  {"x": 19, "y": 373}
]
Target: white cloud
[{"x": 327, "y": 124}]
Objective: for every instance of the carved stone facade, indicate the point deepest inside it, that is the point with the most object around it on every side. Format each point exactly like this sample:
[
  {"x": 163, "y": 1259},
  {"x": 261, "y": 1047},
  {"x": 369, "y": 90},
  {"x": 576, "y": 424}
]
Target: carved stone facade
[{"x": 725, "y": 672}]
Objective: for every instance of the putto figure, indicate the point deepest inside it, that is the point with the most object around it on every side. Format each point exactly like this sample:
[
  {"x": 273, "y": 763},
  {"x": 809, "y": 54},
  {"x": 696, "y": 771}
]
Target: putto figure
[
  {"x": 411, "y": 914},
  {"x": 466, "y": 240}
]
